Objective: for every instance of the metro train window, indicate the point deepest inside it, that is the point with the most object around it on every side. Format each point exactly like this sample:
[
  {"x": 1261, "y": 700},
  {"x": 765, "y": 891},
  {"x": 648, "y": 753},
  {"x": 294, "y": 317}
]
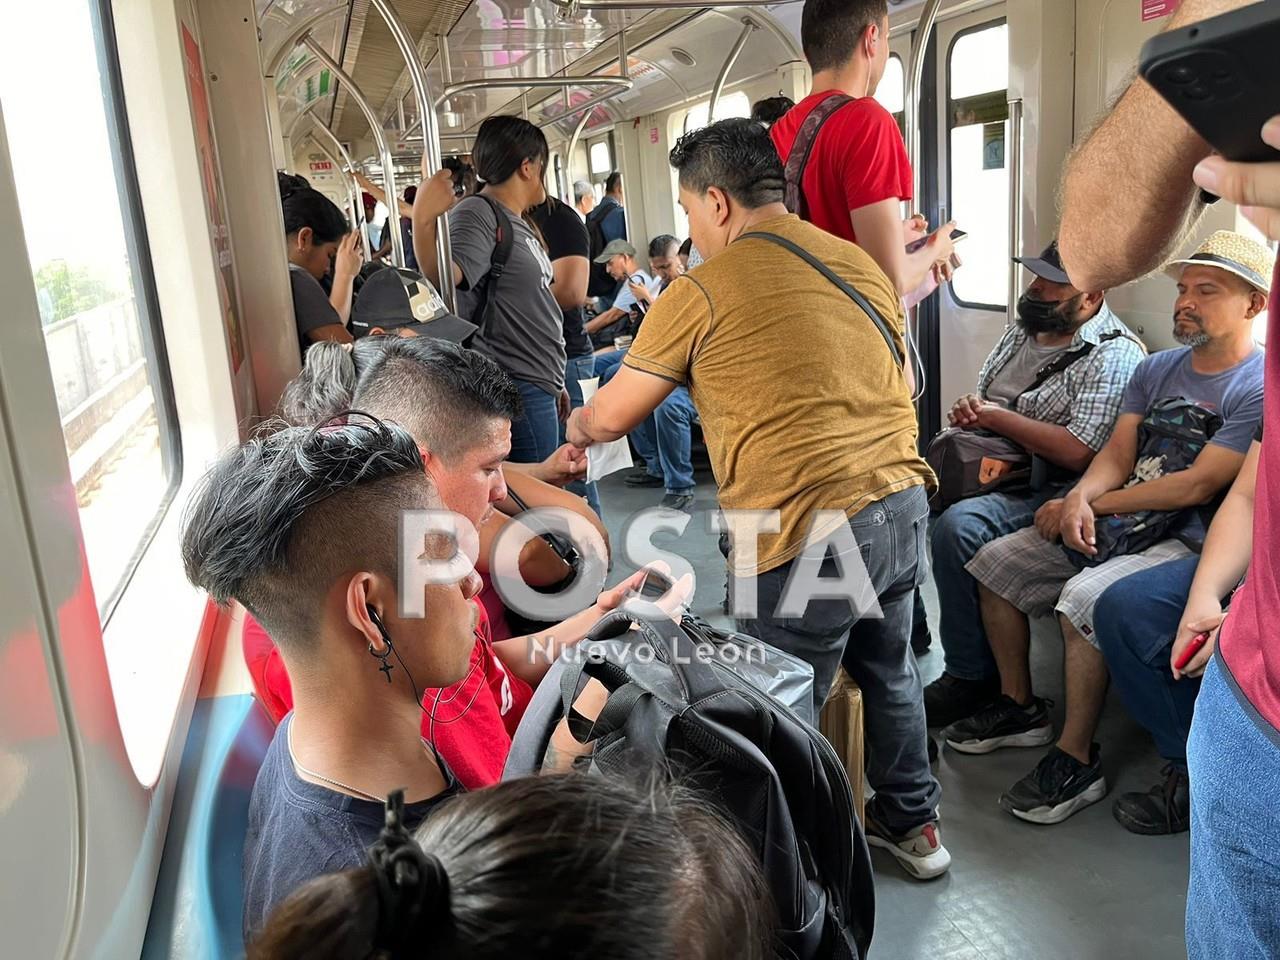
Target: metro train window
[
  {"x": 89, "y": 258},
  {"x": 736, "y": 104},
  {"x": 977, "y": 168},
  {"x": 892, "y": 91}
]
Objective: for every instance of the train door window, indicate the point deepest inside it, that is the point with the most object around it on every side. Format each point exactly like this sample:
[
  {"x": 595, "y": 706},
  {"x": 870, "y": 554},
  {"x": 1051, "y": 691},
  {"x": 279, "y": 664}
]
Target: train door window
[
  {"x": 89, "y": 258},
  {"x": 977, "y": 170},
  {"x": 892, "y": 91},
  {"x": 736, "y": 104},
  {"x": 600, "y": 158}
]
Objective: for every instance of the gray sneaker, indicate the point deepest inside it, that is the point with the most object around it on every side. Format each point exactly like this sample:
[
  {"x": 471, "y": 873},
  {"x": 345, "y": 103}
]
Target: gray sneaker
[{"x": 683, "y": 502}]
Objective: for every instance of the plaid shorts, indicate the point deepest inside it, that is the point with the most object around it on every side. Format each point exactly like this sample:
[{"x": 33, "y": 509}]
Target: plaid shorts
[{"x": 1037, "y": 577}]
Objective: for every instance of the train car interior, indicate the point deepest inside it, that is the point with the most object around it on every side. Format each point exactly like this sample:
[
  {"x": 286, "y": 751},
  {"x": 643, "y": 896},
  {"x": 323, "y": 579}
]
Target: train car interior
[{"x": 152, "y": 327}]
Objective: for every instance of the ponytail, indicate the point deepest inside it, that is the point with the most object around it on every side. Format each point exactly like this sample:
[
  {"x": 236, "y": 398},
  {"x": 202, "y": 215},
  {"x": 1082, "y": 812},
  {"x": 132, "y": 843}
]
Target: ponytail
[
  {"x": 304, "y": 206},
  {"x": 503, "y": 143},
  {"x": 334, "y": 917}
]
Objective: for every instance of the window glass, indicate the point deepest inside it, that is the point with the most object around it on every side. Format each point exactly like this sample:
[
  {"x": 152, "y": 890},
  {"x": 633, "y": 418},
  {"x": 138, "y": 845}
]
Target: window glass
[
  {"x": 86, "y": 251},
  {"x": 600, "y": 159},
  {"x": 977, "y": 112},
  {"x": 736, "y": 104},
  {"x": 892, "y": 91}
]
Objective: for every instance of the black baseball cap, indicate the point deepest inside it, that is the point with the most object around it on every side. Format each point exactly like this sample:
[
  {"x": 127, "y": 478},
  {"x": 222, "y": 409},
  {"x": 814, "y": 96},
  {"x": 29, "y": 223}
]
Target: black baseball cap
[
  {"x": 1048, "y": 265},
  {"x": 392, "y": 298}
]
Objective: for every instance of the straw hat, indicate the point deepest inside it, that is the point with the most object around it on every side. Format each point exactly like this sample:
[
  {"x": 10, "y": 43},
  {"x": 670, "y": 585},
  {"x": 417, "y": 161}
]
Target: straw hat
[{"x": 1234, "y": 253}]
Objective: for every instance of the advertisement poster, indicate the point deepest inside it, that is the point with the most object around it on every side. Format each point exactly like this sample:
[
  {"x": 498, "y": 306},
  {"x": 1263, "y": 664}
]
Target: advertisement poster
[{"x": 209, "y": 178}]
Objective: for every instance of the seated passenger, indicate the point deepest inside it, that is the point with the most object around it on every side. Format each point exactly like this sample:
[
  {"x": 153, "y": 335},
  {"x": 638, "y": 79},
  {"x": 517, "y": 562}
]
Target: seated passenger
[
  {"x": 318, "y": 243},
  {"x": 301, "y": 528},
  {"x": 458, "y": 405},
  {"x": 1146, "y": 620},
  {"x": 1221, "y": 289},
  {"x": 1063, "y": 418},
  {"x": 510, "y": 872},
  {"x": 619, "y": 259}
]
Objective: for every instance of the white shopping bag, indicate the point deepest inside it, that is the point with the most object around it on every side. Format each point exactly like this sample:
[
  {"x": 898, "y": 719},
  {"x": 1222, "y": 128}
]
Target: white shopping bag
[{"x": 604, "y": 458}]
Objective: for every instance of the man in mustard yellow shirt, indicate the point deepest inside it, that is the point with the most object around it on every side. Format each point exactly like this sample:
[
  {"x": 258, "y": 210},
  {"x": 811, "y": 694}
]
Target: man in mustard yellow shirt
[{"x": 790, "y": 341}]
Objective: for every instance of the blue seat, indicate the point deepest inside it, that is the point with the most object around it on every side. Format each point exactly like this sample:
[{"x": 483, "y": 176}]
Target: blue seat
[{"x": 196, "y": 911}]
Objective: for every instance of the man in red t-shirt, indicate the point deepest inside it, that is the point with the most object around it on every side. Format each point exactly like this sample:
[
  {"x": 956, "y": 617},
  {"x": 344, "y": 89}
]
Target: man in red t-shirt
[
  {"x": 858, "y": 173},
  {"x": 1233, "y": 755}
]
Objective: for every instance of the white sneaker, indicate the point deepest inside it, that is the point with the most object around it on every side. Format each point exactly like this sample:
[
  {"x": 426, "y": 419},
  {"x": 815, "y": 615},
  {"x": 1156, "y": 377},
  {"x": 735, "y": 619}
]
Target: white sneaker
[{"x": 920, "y": 851}]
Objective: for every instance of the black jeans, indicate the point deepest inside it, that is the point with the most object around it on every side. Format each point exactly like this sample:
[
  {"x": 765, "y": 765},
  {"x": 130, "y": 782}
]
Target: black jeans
[{"x": 876, "y": 651}]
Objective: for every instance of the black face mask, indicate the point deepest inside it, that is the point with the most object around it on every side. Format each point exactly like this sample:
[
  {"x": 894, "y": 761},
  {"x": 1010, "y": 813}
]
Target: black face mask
[{"x": 1044, "y": 316}]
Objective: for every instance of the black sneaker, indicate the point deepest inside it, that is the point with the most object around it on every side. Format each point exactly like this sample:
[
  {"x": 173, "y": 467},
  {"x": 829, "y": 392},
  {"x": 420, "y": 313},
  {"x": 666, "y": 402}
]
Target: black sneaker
[
  {"x": 1162, "y": 810},
  {"x": 1002, "y": 723},
  {"x": 949, "y": 698},
  {"x": 642, "y": 478},
  {"x": 677, "y": 501},
  {"x": 1058, "y": 787}
]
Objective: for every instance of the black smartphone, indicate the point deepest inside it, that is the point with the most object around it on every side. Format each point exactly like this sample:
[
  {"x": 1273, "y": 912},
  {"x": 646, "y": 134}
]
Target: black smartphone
[
  {"x": 654, "y": 586},
  {"x": 1220, "y": 75}
]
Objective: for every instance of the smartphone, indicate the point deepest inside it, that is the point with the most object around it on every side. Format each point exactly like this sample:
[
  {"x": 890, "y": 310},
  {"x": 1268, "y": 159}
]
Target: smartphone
[
  {"x": 956, "y": 236},
  {"x": 654, "y": 586},
  {"x": 1190, "y": 650},
  {"x": 1220, "y": 75}
]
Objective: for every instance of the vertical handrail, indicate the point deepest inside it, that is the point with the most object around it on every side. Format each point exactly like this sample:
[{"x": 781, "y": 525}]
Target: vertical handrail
[
  {"x": 748, "y": 25},
  {"x": 1014, "y": 158},
  {"x": 316, "y": 125},
  {"x": 379, "y": 136},
  {"x": 915, "y": 80},
  {"x": 353, "y": 197},
  {"x": 588, "y": 107},
  {"x": 431, "y": 155}
]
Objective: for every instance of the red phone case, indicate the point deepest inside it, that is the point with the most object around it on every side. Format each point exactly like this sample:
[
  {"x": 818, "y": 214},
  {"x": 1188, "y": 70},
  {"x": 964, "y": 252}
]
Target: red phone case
[{"x": 1191, "y": 649}]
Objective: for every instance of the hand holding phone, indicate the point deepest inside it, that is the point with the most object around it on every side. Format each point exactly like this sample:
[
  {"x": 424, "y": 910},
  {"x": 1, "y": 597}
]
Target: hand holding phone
[
  {"x": 1191, "y": 649},
  {"x": 956, "y": 236}
]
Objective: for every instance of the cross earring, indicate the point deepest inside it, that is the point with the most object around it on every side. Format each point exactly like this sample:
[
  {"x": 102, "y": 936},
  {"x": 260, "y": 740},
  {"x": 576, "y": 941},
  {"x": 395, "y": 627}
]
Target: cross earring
[{"x": 386, "y": 666}]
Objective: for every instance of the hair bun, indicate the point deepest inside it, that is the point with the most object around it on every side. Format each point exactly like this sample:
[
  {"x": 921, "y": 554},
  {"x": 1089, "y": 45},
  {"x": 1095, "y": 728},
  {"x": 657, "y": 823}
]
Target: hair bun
[{"x": 289, "y": 184}]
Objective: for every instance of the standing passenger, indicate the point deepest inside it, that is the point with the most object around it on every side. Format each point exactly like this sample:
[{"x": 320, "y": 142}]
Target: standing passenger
[
  {"x": 522, "y": 327},
  {"x": 318, "y": 241},
  {"x": 807, "y": 416},
  {"x": 584, "y": 199}
]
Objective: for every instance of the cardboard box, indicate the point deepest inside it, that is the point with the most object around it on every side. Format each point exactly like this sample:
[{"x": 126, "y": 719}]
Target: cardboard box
[{"x": 841, "y": 724}]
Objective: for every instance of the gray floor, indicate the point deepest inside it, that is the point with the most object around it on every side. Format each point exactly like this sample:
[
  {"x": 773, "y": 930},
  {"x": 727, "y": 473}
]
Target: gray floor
[{"x": 1083, "y": 889}]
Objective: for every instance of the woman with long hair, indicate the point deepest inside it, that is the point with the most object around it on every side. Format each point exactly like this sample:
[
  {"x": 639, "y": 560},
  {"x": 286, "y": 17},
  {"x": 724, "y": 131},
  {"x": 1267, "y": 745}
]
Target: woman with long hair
[{"x": 519, "y": 319}]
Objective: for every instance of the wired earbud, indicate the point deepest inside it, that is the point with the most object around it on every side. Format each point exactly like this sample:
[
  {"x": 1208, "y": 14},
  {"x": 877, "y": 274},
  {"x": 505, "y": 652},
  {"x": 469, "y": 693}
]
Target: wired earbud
[{"x": 386, "y": 667}]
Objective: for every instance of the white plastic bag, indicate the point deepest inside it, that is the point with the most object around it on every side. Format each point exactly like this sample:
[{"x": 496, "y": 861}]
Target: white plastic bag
[{"x": 604, "y": 458}]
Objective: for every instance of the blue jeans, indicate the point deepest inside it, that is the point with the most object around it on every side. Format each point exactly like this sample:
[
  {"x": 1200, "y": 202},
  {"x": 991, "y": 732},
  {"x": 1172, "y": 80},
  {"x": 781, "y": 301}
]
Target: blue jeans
[
  {"x": 958, "y": 533},
  {"x": 1233, "y": 909},
  {"x": 876, "y": 652},
  {"x": 664, "y": 441},
  {"x": 1136, "y": 620},
  {"x": 534, "y": 436},
  {"x": 575, "y": 369},
  {"x": 607, "y": 364}
]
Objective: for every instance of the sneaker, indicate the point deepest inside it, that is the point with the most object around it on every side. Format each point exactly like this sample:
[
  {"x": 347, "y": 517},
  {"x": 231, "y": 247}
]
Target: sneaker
[
  {"x": 1002, "y": 723},
  {"x": 1162, "y": 810},
  {"x": 949, "y": 698},
  {"x": 642, "y": 478},
  {"x": 677, "y": 501},
  {"x": 1058, "y": 787},
  {"x": 920, "y": 850}
]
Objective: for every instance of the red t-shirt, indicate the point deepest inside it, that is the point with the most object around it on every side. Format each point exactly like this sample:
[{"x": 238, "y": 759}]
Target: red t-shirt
[
  {"x": 858, "y": 159},
  {"x": 469, "y": 723},
  {"x": 1250, "y": 641}
]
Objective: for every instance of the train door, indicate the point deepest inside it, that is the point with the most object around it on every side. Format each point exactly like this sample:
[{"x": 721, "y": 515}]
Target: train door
[{"x": 972, "y": 128}]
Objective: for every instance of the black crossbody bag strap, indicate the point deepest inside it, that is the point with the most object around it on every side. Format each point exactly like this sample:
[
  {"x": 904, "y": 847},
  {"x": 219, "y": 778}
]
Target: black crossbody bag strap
[
  {"x": 802, "y": 146},
  {"x": 504, "y": 240},
  {"x": 863, "y": 303}
]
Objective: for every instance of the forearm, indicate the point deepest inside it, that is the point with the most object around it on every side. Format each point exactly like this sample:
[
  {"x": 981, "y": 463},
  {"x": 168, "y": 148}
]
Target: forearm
[
  {"x": 1225, "y": 556},
  {"x": 529, "y": 658},
  {"x": 1054, "y": 443},
  {"x": 341, "y": 294},
  {"x": 424, "y": 247},
  {"x": 1173, "y": 491},
  {"x": 603, "y": 320},
  {"x": 1105, "y": 474}
]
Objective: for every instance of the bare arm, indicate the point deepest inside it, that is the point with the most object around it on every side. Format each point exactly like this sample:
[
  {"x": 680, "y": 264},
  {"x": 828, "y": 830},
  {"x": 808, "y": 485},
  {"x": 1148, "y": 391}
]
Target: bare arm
[
  {"x": 879, "y": 229},
  {"x": 380, "y": 195},
  {"x": 536, "y": 493},
  {"x": 435, "y": 198},
  {"x": 602, "y": 320},
  {"x": 1055, "y": 443},
  {"x": 1114, "y": 463},
  {"x": 1214, "y": 468},
  {"x": 618, "y": 407},
  {"x": 569, "y": 285},
  {"x": 1136, "y": 166}
]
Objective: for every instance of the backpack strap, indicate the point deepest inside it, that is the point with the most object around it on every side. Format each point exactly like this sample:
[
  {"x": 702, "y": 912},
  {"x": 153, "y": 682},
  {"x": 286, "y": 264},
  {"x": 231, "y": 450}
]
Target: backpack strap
[
  {"x": 849, "y": 291},
  {"x": 802, "y": 146},
  {"x": 1064, "y": 360},
  {"x": 504, "y": 241}
]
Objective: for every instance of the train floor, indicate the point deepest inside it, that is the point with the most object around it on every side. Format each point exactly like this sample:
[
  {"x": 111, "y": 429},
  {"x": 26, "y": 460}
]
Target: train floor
[{"x": 1085, "y": 889}]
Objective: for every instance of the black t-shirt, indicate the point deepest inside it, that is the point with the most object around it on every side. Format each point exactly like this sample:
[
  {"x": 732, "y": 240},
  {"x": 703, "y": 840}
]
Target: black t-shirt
[
  {"x": 311, "y": 306},
  {"x": 566, "y": 236}
]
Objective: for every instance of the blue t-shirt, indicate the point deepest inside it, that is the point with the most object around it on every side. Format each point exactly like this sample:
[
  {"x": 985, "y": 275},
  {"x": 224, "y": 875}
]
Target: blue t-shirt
[
  {"x": 299, "y": 830},
  {"x": 1234, "y": 394}
]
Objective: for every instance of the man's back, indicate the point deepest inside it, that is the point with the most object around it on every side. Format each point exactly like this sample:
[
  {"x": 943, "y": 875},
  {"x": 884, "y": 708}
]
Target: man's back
[
  {"x": 803, "y": 405},
  {"x": 857, "y": 159}
]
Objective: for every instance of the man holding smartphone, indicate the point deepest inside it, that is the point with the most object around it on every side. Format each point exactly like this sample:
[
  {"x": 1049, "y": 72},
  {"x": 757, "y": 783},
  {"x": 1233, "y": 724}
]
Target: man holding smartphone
[{"x": 1149, "y": 165}]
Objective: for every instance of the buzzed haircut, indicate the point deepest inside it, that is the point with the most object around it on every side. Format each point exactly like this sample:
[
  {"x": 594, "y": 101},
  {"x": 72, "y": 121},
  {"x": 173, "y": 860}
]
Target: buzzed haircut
[
  {"x": 661, "y": 245},
  {"x": 441, "y": 392},
  {"x": 279, "y": 518},
  {"x": 830, "y": 29},
  {"x": 734, "y": 155}
]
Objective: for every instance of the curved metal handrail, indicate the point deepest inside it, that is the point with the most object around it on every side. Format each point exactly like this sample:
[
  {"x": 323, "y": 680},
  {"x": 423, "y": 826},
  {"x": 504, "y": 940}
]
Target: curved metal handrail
[
  {"x": 915, "y": 78},
  {"x": 281, "y": 52},
  {"x": 748, "y": 27},
  {"x": 501, "y": 83}
]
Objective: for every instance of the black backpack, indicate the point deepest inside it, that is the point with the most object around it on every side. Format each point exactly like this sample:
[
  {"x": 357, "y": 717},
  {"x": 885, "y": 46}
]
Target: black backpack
[
  {"x": 677, "y": 705},
  {"x": 504, "y": 241},
  {"x": 599, "y": 283}
]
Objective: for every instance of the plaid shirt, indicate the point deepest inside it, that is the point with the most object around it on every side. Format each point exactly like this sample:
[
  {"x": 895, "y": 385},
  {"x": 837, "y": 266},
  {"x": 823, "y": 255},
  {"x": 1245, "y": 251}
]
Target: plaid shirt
[{"x": 1085, "y": 397}]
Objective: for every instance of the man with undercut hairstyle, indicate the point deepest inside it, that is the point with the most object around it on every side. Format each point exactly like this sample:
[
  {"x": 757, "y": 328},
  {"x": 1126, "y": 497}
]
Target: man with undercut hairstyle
[
  {"x": 302, "y": 529},
  {"x": 800, "y": 387}
]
